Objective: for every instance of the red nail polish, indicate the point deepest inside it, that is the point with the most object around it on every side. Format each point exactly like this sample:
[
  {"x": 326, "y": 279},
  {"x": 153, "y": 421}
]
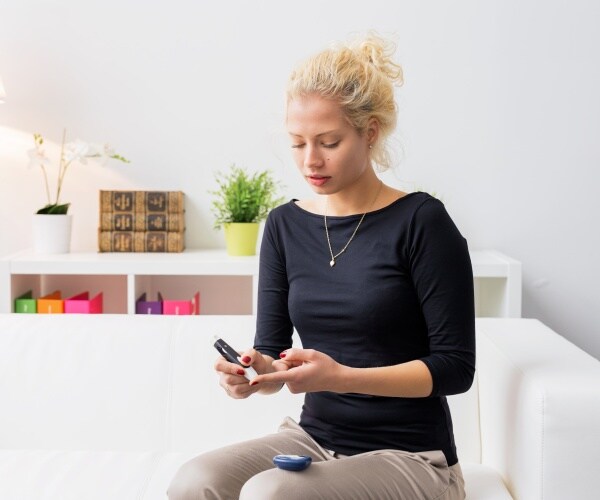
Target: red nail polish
[
  {"x": 240, "y": 372},
  {"x": 282, "y": 355},
  {"x": 246, "y": 359},
  {"x": 253, "y": 383}
]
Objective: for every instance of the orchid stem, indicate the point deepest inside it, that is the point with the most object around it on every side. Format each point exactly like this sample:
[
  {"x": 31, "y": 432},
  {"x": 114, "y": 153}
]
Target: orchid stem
[
  {"x": 46, "y": 182},
  {"x": 62, "y": 167}
]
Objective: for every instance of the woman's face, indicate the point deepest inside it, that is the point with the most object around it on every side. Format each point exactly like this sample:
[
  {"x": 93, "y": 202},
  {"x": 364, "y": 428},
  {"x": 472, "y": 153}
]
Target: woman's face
[{"x": 328, "y": 150}]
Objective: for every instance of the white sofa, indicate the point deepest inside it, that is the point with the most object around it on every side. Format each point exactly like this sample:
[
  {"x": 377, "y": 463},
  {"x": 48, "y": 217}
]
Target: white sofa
[{"x": 109, "y": 406}]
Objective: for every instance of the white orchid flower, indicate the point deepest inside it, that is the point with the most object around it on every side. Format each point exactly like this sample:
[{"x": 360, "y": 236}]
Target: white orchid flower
[
  {"x": 76, "y": 151},
  {"x": 95, "y": 150},
  {"x": 71, "y": 152},
  {"x": 100, "y": 151},
  {"x": 37, "y": 157}
]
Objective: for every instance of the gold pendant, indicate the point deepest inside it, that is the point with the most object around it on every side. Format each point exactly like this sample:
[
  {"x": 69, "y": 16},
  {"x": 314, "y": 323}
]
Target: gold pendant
[{"x": 332, "y": 263}]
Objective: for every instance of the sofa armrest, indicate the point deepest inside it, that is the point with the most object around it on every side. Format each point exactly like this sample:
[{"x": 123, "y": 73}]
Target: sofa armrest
[{"x": 539, "y": 409}]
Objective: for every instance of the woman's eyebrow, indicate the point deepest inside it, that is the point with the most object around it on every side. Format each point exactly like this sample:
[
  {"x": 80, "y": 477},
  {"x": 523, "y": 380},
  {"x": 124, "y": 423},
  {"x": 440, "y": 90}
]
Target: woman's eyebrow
[{"x": 318, "y": 135}]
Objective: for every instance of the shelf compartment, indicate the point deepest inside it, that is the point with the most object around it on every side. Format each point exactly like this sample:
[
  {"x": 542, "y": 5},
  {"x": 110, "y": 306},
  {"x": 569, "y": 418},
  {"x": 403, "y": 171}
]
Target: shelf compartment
[
  {"x": 113, "y": 287},
  {"x": 227, "y": 295}
]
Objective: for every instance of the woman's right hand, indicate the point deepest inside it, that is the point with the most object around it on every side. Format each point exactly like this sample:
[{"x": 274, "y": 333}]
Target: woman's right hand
[{"x": 231, "y": 375}]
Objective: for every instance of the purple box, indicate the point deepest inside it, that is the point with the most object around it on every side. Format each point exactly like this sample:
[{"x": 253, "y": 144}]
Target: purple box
[{"x": 143, "y": 306}]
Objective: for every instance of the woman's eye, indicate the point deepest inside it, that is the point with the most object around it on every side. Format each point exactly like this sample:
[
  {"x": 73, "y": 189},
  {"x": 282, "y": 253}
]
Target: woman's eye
[
  {"x": 331, "y": 145},
  {"x": 297, "y": 145}
]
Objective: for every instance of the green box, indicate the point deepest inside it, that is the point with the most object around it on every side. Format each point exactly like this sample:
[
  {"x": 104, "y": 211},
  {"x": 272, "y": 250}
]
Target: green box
[{"x": 25, "y": 304}]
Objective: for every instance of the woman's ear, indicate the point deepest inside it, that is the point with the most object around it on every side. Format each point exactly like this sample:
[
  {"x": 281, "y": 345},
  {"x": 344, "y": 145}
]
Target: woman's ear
[{"x": 372, "y": 131}]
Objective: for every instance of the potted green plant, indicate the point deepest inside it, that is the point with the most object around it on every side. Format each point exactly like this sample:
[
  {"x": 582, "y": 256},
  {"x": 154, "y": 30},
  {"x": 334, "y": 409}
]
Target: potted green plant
[{"x": 241, "y": 202}]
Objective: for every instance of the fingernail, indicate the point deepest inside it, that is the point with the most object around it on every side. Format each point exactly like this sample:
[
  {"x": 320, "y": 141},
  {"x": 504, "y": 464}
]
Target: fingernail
[
  {"x": 246, "y": 359},
  {"x": 240, "y": 372},
  {"x": 282, "y": 355},
  {"x": 254, "y": 382}
]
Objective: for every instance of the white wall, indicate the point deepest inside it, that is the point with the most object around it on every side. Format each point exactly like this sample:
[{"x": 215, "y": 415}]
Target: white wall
[{"x": 500, "y": 116}]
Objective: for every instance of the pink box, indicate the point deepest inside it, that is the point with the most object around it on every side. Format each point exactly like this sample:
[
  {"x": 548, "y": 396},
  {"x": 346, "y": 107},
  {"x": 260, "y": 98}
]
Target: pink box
[
  {"x": 82, "y": 304},
  {"x": 182, "y": 307}
]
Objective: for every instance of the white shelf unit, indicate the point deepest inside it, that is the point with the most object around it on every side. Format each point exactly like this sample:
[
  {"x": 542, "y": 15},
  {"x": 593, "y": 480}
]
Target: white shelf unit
[
  {"x": 497, "y": 280},
  {"x": 227, "y": 285}
]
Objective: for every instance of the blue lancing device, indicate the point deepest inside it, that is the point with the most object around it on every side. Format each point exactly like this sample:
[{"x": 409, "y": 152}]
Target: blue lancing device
[{"x": 292, "y": 462}]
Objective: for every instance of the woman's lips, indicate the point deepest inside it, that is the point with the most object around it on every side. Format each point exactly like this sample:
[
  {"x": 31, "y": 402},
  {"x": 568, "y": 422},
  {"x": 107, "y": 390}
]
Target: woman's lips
[{"x": 317, "y": 180}]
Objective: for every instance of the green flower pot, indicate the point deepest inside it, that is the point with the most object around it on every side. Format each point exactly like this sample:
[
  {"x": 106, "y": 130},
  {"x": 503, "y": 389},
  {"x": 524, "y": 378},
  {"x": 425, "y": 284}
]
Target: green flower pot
[{"x": 241, "y": 237}]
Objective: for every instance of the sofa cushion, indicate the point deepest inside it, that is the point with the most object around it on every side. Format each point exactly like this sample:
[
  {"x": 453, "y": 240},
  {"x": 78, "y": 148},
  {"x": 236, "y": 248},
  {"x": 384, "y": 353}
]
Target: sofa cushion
[
  {"x": 70, "y": 384},
  {"x": 483, "y": 482},
  {"x": 89, "y": 475},
  {"x": 539, "y": 409}
]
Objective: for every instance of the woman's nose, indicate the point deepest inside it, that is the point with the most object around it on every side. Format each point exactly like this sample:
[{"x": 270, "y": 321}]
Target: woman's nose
[{"x": 312, "y": 157}]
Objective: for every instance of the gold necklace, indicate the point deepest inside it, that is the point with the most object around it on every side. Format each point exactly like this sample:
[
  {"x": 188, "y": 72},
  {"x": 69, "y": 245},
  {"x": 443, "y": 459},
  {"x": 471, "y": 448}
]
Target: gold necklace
[{"x": 333, "y": 257}]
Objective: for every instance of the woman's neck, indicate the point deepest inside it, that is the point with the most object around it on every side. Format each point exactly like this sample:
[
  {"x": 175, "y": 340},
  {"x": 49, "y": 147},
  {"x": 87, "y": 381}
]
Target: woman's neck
[{"x": 356, "y": 199}]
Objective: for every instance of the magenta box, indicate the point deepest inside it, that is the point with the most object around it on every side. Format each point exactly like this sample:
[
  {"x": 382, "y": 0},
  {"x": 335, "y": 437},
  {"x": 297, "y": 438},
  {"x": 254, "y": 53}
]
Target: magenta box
[
  {"x": 82, "y": 304},
  {"x": 182, "y": 307}
]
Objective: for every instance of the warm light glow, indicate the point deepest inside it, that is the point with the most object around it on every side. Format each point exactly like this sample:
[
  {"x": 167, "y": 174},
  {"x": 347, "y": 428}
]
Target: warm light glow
[{"x": 2, "y": 93}]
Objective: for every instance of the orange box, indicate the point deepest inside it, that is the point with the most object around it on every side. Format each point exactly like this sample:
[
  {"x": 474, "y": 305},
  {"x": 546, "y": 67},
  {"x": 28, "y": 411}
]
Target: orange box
[
  {"x": 51, "y": 304},
  {"x": 82, "y": 304},
  {"x": 182, "y": 307}
]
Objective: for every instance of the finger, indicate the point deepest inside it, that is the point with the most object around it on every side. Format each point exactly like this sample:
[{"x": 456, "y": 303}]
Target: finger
[
  {"x": 224, "y": 366},
  {"x": 280, "y": 365},
  {"x": 248, "y": 356},
  {"x": 295, "y": 354},
  {"x": 231, "y": 392},
  {"x": 232, "y": 380},
  {"x": 239, "y": 391},
  {"x": 273, "y": 378}
]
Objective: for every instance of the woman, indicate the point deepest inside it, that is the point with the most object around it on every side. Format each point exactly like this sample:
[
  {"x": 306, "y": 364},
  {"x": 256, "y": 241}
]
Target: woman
[{"x": 378, "y": 284}]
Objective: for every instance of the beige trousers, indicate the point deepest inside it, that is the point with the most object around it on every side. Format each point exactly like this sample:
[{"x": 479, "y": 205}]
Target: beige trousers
[{"x": 246, "y": 471}]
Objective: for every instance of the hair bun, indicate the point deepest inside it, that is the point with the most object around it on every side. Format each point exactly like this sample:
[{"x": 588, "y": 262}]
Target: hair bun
[{"x": 378, "y": 51}]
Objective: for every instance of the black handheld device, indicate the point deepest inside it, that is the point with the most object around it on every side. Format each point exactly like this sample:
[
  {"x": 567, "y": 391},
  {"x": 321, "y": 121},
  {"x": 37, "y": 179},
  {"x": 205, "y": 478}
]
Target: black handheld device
[{"x": 231, "y": 355}]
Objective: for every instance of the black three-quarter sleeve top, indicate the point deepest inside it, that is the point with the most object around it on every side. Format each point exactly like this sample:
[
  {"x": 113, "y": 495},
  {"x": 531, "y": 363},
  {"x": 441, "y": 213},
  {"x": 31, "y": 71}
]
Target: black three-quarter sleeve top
[{"x": 403, "y": 290}]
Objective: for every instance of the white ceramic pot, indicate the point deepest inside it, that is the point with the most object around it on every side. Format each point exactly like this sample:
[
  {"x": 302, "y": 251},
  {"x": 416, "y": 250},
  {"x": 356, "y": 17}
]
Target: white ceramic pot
[{"x": 51, "y": 233}]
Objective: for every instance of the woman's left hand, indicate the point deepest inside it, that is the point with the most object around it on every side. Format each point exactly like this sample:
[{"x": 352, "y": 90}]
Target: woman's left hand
[{"x": 304, "y": 370}]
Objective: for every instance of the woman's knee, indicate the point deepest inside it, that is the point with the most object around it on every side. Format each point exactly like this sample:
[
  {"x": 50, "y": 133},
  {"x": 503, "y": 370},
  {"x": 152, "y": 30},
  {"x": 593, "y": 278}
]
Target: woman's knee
[
  {"x": 268, "y": 485},
  {"x": 200, "y": 478}
]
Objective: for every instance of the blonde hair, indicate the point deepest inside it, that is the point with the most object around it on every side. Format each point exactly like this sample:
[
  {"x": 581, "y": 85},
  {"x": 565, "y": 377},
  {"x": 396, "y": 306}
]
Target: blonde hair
[{"x": 360, "y": 75}]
